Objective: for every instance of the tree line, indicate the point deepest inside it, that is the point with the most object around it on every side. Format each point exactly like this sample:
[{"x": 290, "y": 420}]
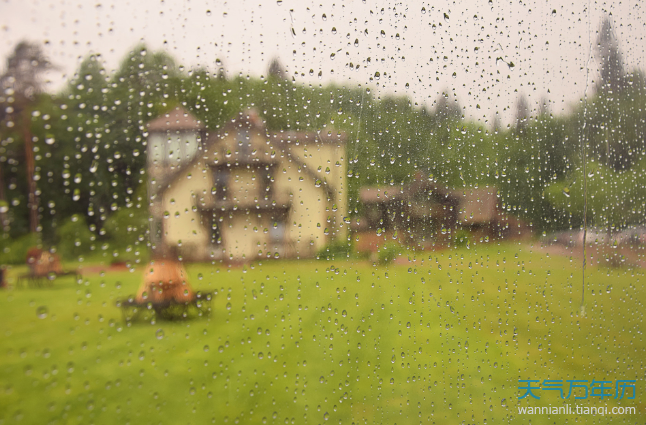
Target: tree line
[{"x": 72, "y": 164}]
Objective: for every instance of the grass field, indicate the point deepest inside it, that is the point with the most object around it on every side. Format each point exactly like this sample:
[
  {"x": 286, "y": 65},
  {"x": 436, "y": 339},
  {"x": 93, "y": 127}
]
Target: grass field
[{"x": 442, "y": 340}]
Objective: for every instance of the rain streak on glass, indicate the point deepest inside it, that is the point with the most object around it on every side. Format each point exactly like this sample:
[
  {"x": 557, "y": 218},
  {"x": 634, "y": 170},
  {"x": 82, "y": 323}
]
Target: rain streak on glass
[{"x": 309, "y": 212}]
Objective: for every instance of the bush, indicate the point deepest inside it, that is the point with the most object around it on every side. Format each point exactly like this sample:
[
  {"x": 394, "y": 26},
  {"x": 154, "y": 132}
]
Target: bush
[
  {"x": 127, "y": 227},
  {"x": 14, "y": 251},
  {"x": 337, "y": 250},
  {"x": 461, "y": 238},
  {"x": 74, "y": 238},
  {"x": 127, "y": 232},
  {"x": 388, "y": 253}
]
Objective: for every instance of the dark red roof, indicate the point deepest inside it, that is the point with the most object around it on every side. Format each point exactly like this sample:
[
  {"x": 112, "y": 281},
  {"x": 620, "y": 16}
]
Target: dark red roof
[{"x": 177, "y": 119}]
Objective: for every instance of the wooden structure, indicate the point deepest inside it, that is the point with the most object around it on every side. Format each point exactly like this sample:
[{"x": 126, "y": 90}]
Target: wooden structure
[
  {"x": 428, "y": 215},
  {"x": 422, "y": 213},
  {"x": 166, "y": 292},
  {"x": 44, "y": 267},
  {"x": 166, "y": 309}
]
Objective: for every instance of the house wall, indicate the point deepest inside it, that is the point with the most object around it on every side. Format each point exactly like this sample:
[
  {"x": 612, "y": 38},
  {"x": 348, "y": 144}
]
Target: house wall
[
  {"x": 182, "y": 222},
  {"x": 243, "y": 230},
  {"x": 243, "y": 185},
  {"x": 329, "y": 156},
  {"x": 240, "y": 241},
  {"x": 307, "y": 219},
  {"x": 172, "y": 149}
]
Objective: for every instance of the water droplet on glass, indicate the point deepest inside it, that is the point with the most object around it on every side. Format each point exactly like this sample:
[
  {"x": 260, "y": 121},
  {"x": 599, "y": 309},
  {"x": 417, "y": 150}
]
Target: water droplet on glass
[
  {"x": 42, "y": 312},
  {"x": 159, "y": 334}
]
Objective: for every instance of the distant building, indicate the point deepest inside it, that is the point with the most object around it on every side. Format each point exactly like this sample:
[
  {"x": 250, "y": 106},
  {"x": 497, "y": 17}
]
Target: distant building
[
  {"x": 426, "y": 214},
  {"x": 244, "y": 192}
]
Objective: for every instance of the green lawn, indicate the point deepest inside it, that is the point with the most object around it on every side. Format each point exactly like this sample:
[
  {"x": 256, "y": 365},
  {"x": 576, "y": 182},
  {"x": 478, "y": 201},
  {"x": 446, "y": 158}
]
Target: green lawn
[{"x": 443, "y": 340}]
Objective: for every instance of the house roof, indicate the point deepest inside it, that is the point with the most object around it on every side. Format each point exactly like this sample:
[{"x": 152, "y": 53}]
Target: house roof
[
  {"x": 176, "y": 120},
  {"x": 251, "y": 119},
  {"x": 375, "y": 195},
  {"x": 475, "y": 205},
  {"x": 248, "y": 118}
]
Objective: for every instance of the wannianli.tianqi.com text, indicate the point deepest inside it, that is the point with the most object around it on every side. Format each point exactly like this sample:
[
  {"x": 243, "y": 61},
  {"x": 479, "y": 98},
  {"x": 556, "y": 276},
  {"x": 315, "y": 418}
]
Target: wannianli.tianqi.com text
[{"x": 577, "y": 410}]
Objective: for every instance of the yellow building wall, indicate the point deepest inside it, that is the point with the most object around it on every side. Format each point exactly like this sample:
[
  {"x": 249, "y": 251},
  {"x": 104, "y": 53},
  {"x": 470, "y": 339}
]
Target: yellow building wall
[
  {"x": 182, "y": 222},
  {"x": 328, "y": 161},
  {"x": 239, "y": 237},
  {"x": 306, "y": 222},
  {"x": 243, "y": 185},
  {"x": 243, "y": 231}
]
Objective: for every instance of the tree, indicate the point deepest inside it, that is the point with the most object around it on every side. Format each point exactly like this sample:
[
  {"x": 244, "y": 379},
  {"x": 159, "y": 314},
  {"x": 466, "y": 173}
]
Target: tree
[
  {"x": 522, "y": 114},
  {"x": 618, "y": 197},
  {"x": 22, "y": 81},
  {"x": 611, "y": 60},
  {"x": 276, "y": 69},
  {"x": 221, "y": 71},
  {"x": 544, "y": 108},
  {"x": 447, "y": 109},
  {"x": 496, "y": 123}
]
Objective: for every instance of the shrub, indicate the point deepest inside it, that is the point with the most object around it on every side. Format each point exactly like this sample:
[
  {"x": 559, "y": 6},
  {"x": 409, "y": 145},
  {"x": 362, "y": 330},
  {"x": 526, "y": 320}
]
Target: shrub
[
  {"x": 127, "y": 227},
  {"x": 337, "y": 250},
  {"x": 388, "y": 253},
  {"x": 74, "y": 238},
  {"x": 461, "y": 238},
  {"x": 127, "y": 232},
  {"x": 14, "y": 251}
]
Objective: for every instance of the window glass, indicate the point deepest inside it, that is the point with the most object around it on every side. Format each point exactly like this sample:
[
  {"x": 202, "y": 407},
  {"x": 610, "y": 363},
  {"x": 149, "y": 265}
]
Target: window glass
[{"x": 310, "y": 212}]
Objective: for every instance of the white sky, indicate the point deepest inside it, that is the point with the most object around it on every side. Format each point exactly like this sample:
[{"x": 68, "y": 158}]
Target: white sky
[{"x": 550, "y": 43}]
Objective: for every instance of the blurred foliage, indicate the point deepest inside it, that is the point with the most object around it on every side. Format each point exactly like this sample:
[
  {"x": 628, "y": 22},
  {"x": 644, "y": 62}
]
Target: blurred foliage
[
  {"x": 462, "y": 238},
  {"x": 90, "y": 142},
  {"x": 337, "y": 250},
  {"x": 14, "y": 250},
  {"x": 615, "y": 198},
  {"x": 388, "y": 253},
  {"x": 74, "y": 238}
]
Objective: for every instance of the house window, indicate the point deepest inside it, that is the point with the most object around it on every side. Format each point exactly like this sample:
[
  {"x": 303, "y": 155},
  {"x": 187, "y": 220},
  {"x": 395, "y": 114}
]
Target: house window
[
  {"x": 277, "y": 231},
  {"x": 215, "y": 233}
]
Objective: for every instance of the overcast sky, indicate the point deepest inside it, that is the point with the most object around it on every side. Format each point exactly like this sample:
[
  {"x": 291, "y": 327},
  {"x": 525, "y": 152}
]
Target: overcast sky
[{"x": 417, "y": 49}]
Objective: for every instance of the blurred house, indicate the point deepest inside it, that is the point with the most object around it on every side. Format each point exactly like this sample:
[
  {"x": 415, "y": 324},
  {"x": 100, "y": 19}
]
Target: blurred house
[
  {"x": 245, "y": 191},
  {"x": 426, "y": 214},
  {"x": 420, "y": 213},
  {"x": 481, "y": 214}
]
